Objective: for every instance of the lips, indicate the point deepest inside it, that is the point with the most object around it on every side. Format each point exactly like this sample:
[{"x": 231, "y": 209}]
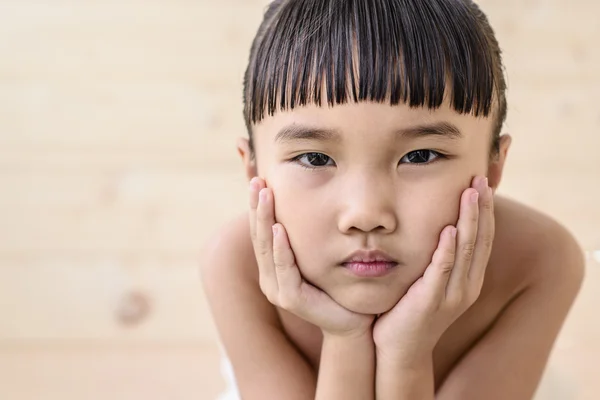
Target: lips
[
  {"x": 369, "y": 256},
  {"x": 369, "y": 263}
]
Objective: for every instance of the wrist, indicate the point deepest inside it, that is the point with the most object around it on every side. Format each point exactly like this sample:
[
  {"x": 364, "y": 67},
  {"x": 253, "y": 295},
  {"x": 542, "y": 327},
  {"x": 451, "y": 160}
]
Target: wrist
[
  {"x": 347, "y": 366},
  {"x": 405, "y": 377},
  {"x": 407, "y": 357},
  {"x": 359, "y": 334},
  {"x": 355, "y": 336}
]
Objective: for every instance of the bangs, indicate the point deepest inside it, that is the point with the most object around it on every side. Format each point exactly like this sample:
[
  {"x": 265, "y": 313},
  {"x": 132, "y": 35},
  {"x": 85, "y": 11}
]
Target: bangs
[{"x": 386, "y": 51}]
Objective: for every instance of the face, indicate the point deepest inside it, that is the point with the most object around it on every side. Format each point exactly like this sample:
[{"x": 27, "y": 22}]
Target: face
[{"x": 363, "y": 177}]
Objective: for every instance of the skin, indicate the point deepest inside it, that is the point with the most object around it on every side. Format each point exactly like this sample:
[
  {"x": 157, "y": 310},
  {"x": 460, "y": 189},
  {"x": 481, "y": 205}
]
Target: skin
[
  {"x": 404, "y": 337},
  {"x": 431, "y": 280},
  {"x": 487, "y": 339},
  {"x": 366, "y": 197}
]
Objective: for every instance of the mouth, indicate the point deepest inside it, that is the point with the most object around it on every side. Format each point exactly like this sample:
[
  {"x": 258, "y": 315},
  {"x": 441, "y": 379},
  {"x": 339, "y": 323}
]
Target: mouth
[
  {"x": 369, "y": 263},
  {"x": 370, "y": 269}
]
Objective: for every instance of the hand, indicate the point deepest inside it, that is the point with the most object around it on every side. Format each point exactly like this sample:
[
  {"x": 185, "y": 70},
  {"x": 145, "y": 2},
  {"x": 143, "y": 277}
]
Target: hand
[
  {"x": 280, "y": 278},
  {"x": 450, "y": 285}
]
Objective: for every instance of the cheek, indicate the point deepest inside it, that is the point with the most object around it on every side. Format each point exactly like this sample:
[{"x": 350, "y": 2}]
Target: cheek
[
  {"x": 423, "y": 219},
  {"x": 299, "y": 195},
  {"x": 300, "y": 210}
]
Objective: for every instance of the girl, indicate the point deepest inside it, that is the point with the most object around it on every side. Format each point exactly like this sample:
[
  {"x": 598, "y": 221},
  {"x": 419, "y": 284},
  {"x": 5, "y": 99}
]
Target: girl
[{"x": 375, "y": 261}]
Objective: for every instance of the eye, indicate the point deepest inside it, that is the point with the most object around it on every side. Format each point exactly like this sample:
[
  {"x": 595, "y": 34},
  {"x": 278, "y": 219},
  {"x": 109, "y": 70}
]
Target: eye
[
  {"x": 313, "y": 160},
  {"x": 422, "y": 157}
]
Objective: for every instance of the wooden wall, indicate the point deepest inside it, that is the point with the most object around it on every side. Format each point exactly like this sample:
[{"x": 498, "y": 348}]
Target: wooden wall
[{"x": 117, "y": 161}]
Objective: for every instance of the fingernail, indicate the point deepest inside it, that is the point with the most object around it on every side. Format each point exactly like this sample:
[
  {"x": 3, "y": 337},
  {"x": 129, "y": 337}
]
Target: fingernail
[
  {"x": 253, "y": 184},
  {"x": 453, "y": 232},
  {"x": 486, "y": 182},
  {"x": 474, "y": 197},
  {"x": 275, "y": 229},
  {"x": 262, "y": 195}
]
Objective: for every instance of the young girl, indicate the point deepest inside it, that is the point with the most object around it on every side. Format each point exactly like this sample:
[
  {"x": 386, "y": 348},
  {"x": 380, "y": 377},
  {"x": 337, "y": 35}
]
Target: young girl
[{"x": 375, "y": 261}]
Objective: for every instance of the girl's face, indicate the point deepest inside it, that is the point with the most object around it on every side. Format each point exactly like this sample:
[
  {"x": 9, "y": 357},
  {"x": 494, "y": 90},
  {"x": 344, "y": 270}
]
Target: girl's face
[{"x": 368, "y": 176}]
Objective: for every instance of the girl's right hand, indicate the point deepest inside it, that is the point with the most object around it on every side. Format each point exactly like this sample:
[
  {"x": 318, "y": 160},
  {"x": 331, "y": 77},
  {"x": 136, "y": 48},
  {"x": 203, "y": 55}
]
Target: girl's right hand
[{"x": 280, "y": 278}]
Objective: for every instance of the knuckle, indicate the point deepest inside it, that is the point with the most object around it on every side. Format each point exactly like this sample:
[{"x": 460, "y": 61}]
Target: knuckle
[
  {"x": 488, "y": 205},
  {"x": 441, "y": 256},
  {"x": 278, "y": 257},
  {"x": 446, "y": 267},
  {"x": 264, "y": 286},
  {"x": 272, "y": 299},
  {"x": 451, "y": 252},
  {"x": 262, "y": 248},
  {"x": 287, "y": 302},
  {"x": 261, "y": 214},
  {"x": 280, "y": 267},
  {"x": 272, "y": 295},
  {"x": 487, "y": 240},
  {"x": 455, "y": 300},
  {"x": 467, "y": 250},
  {"x": 268, "y": 293},
  {"x": 473, "y": 294}
]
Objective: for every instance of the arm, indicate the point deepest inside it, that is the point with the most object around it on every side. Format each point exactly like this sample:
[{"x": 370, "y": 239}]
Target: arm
[
  {"x": 406, "y": 335},
  {"x": 347, "y": 359},
  {"x": 508, "y": 362},
  {"x": 347, "y": 369},
  {"x": 266, "y": 365},
  {"x": 408, "y": 379}
]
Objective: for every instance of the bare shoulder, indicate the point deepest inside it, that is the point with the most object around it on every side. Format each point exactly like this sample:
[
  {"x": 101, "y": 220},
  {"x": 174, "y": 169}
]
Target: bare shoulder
[
  {"x": 266, "y": 365},
  {"x": 232, "y": 244},
  {"x": 533, "y": 245},
  {"x": 535, "y": 272},
  {"x": 229, "y": 275}
]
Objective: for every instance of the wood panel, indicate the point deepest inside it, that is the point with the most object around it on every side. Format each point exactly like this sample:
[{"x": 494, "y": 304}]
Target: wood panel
[
  {"x": 118, "y": 122},
  {"x": 127, "y": 298},
  {"x": 97, "y": 371}
]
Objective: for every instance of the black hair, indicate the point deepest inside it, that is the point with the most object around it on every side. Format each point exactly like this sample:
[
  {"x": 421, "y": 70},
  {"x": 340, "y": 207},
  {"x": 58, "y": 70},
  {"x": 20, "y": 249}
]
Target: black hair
[{"x": 409, "y": 51}]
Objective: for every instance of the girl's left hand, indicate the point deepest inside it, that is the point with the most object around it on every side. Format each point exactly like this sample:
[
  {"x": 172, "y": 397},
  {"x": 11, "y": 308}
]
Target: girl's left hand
[{"x": 450, "y": 285}]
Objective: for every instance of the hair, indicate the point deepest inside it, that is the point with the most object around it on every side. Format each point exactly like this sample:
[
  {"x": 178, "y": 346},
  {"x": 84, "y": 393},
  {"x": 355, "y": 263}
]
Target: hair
[{"x": 386, "y": 51}]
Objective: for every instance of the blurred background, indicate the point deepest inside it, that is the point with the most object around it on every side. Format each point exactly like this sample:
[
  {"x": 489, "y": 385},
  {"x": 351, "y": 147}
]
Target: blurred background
[{"x": 117, "y": 162}]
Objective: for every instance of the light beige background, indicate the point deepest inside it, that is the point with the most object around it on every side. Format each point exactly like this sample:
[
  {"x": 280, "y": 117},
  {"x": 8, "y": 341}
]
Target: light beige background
[{"x": 117, "y": 161}]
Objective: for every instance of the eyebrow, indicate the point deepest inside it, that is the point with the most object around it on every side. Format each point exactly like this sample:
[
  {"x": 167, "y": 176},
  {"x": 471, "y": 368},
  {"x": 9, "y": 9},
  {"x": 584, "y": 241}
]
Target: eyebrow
[{"x": 296, "y": 132}]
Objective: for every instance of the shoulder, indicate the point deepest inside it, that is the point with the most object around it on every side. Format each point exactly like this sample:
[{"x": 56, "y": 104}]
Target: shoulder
[
  {"x": 537, "y": 266},
  {"x": 248, "y": 326},
  {"x": 229, "y": 275},
  {"x": 229, "y": 253},
  {"x": 539, "y": 248}
]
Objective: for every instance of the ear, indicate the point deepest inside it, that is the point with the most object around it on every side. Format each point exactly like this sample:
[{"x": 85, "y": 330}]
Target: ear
[
  {"x": 243, "y": 148},
  {"x": 496, "y": 166}
]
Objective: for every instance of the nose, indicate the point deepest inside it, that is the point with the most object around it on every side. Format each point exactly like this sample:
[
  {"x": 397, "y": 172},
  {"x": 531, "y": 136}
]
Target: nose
[{"x": 367, "y": 205}]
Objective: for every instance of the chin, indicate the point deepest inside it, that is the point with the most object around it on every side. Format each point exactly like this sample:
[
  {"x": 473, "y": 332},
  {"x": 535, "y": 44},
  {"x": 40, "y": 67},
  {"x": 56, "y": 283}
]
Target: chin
[{"x": 366, "y": 300}]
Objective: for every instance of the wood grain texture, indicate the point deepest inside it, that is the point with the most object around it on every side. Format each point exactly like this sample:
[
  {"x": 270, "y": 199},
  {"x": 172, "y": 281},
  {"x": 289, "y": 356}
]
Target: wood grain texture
[
  {"x": 104, "y": 370},
  {"x": 118, "y": 122}
]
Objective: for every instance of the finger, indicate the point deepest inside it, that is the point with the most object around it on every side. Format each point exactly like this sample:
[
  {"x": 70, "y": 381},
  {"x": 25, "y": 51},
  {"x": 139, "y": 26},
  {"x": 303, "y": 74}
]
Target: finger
[
  {"x": 465, "y": 240},
  {"x": 288, "y": 276},
  {"x": 255, "y": 186},
  {"x": 438, "y": 273},
  {"x": 263, "y": 244},
  {"x": 295, "y": 294},
  {"x": 485, "y": 236}
]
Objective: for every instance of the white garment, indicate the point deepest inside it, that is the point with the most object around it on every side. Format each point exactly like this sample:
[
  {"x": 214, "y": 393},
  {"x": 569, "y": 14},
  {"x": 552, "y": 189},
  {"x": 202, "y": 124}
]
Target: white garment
[
  {"x": 555, "y": 384},
  {"x": 231, "y": 392}
]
